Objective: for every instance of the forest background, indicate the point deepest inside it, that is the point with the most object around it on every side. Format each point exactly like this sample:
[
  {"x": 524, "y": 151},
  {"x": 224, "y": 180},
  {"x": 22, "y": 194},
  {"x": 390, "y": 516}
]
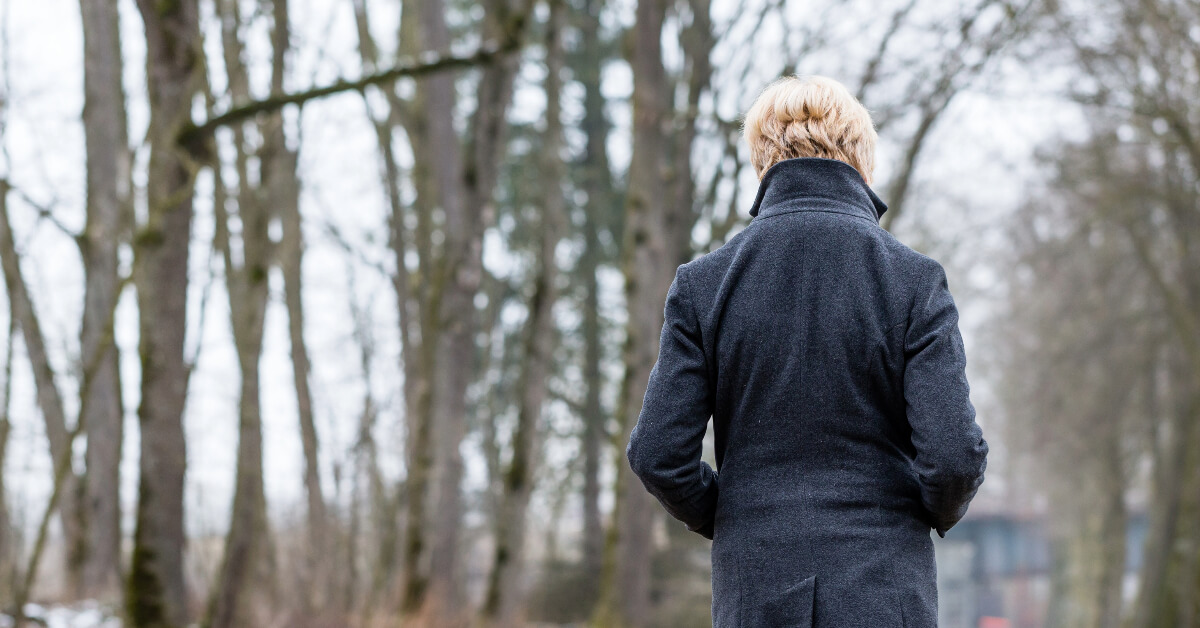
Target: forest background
[{"x": 339, "y": 312}]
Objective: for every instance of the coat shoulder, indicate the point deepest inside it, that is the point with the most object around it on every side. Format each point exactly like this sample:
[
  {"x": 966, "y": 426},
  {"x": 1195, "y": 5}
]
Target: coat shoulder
[
  {"x": 900, "y": 253},
  {"x": 713, "y": 264},
  {"x": 919, "y": 268},
  {"x": 873, "y": 242}
]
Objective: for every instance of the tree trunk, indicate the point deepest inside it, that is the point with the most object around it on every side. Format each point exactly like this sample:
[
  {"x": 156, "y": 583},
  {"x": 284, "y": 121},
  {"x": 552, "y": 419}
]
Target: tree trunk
[
  {"x": 647, "y": 263},
  {"x": 1111, "y": 537},
  {"x": 420, "y": 31},
  {"x": 108, "y": 182},
  {"x": 680, "y": 216},
  {"x": 409, "y": 312},
  {"x": 8, "y": 536},
  {"x": 597, "y": 182},
  {"x": 291, "y": 263},
  {"x": 594, "y": 434},
  {"x": 504, "y": 603},
  {"x": 1166, "y": 505},
  {"x": 245, "y": 555},
  {"x": 155, "y": 592},
  {"x": 462, "y": 185},
  {"x": 248, "y": 556},
  {"x": 287, "y": 197},
  {"x": 1187, "y": 581},
  {"x": 246, "y": 545}
]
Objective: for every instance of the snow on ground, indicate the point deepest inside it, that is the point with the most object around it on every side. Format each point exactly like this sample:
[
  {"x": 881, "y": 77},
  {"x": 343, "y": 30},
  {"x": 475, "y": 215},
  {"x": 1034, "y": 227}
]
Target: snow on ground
[{"x": 86, "y": 614}]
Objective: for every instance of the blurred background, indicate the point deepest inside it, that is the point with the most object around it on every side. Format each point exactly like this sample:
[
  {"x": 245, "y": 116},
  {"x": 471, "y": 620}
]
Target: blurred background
[{"x": 340, "y": 312}]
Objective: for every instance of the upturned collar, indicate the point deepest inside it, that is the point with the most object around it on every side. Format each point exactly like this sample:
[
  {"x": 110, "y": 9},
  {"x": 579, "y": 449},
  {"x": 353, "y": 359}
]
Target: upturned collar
[{"x": 816, "y": 183}]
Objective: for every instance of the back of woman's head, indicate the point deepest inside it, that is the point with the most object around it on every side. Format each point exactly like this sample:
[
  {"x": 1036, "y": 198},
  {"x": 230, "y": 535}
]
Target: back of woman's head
[{"x": 810, "y": 116}]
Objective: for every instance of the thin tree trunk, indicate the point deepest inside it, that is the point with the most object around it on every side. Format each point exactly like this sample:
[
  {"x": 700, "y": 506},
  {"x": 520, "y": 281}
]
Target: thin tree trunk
[
  {"x": 463, "y": 190},
  {"x": 456, "y": 283},
  {"x": 595, "y": 434},
  {"x": 380, "y": 504},
  {"x": 597, "y": 182},
  {"x": 697, "y": 42},
  {"x": 291, "y": 263},
  {"x": 8, "y": 537},
  {"x": 1165, "y": 515},
  {"x": 27, "y": 579},
  {"x": 504, "y": 603},
  {"x": 246, "y": 544},
  {"x": 1111, "y": 537},
  {"x": 49, "y": 398},
  {"x": 420, "y": 351},
  {"x": 1189, "y": 581},
  {"x": 155, "y": 592},
  {"x": 286, "y": 193},
  {"x": 108, "y": 182},
  {"x": 409, "y": 312},
  {"x": 248, "y": 556},
  {"x": 647, "y": 258},
  {"x": 898, "y": 187}
]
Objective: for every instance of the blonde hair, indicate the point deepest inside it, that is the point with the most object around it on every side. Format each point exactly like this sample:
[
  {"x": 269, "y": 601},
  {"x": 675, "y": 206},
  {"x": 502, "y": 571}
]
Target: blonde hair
[{"x": 809, "y": 116}]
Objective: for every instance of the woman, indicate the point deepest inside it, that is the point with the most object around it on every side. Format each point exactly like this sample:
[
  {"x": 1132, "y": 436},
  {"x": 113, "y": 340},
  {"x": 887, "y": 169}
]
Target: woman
[{"x": 829, "y": 357}]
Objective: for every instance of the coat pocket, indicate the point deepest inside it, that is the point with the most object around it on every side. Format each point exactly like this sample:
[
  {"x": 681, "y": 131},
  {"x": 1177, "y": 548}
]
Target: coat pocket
[{"x": 792, "y": 608}]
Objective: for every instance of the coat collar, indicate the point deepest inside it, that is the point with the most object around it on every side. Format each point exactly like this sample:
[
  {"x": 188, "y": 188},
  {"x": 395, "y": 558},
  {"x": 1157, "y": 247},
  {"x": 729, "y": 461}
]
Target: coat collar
[{"x": 823, "y": 184}]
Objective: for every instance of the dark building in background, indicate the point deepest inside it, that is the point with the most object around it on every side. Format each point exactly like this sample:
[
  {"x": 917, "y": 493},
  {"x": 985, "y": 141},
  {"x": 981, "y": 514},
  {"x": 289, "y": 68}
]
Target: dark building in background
[{"x": 994, "y": 570}]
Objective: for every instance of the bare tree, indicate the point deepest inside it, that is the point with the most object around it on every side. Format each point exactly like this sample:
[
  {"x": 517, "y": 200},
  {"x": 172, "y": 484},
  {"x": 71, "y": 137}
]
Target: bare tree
[
  {"x": 437, "y": 318},
  {"x": 155, "y": 593},
  {"x": 8, "y": 536},
  {"x": 285, "y": 191},
  {"x": 248, "y": 556},
  {"x": 291, "y": 256},
  {"x": 648, "y": 262},
  {"x": 504, "y": 601},
  {"x": 410, "y": 314},
  {"x": 108, "y": 217},
  {"x": 1072, "y": 423},
  {"x": 596, "y": 180},
  {"x": 49, "y": 397},
  {"x": 980, "y": 38},
  {"x": 1140, "y": 62}
]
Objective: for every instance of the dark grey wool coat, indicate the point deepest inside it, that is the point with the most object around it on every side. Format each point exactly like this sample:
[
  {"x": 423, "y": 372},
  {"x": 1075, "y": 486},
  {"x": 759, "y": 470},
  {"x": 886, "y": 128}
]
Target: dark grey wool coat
[{"x": 829, "y": 357}]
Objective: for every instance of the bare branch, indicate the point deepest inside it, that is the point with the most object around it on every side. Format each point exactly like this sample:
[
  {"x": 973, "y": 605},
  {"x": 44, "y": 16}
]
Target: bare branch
[
  {"x": 871, "y": 74},
  {"x": 195, "y": 137}
]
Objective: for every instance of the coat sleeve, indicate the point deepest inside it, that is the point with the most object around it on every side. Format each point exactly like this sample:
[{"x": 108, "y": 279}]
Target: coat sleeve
[
  {"x": 951, "y": 453},
  {"x": 666, "y": 443}
]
